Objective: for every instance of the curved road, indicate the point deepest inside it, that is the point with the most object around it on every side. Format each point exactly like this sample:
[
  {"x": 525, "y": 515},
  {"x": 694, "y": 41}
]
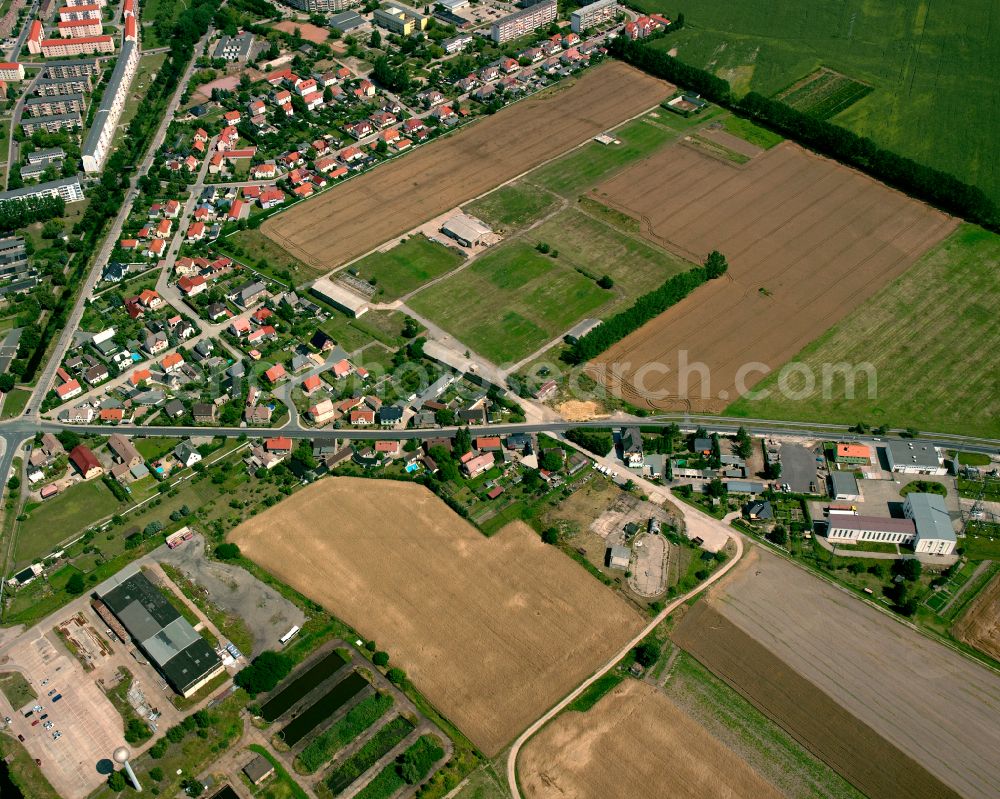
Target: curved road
[{"x": 687, "y": 511}]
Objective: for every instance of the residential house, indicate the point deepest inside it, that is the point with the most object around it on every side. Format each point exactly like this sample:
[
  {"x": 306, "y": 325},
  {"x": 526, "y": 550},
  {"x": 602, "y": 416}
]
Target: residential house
[{"x": 86, "y": 462}]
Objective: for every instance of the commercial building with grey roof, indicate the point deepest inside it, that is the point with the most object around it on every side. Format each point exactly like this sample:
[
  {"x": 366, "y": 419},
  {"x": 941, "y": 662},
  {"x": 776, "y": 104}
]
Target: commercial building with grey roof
[
  {"x": 172, "y": 645},
  {"x": 914, "y": 457}
]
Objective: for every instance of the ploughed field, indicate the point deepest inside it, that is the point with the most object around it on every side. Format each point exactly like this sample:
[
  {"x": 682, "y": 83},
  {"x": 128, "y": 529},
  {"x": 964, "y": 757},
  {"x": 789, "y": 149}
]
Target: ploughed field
[
  {"x": 894, "y": 712},
  {"x": 806, "y": 238},
  {"x": 353, "y": 219},
  {"x": 634, "y": 742},
  {"x": 493, "y": 630}
]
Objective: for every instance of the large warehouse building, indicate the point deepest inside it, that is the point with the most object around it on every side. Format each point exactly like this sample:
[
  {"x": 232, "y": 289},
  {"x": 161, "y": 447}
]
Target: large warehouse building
[
  {"x": 914, "y": 457},
  {"x": 173, "y": 646}
]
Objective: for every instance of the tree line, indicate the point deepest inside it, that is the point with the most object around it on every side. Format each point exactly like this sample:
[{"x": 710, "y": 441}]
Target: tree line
[
  {"x": 938, "y": 188},
  {"x": 21, "y": 213},
  {"x": 647, "y": 307}
]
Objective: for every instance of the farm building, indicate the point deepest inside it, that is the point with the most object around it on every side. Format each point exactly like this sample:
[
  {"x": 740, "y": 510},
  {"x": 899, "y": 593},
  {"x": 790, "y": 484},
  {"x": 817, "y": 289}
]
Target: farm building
[
  {"x": 632, "y": 447},
  {"x": 914, "y": 457},
  {"x": 466, "y": 230},
  {"x": 618, "y": 557},
  {"x": 339, "y": 297},
  {"x": 258, "y": 769},
  {"x": 758, "y": 511},
  {"x": 179, "y": 653},
  {"x": 844, "y": 486}
]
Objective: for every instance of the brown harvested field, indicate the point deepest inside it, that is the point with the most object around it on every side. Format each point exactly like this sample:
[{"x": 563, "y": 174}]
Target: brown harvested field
[
  {"x": 493, "y": 631},
  {"x": 807, "y": 240},
  {"x": 893, "y": 711},
  {"x": 979, "y": 624},
  {"x": 353, "y": 219},
  {"x": 634, "y": 742}
]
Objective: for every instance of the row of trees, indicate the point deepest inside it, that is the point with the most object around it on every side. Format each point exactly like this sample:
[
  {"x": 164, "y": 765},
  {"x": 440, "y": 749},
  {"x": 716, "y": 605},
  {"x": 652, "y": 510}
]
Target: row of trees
[
  {"x": 647, "y": 307},
  {"x": 938, "y": 188},
  {"x": 21, "y": 213}
]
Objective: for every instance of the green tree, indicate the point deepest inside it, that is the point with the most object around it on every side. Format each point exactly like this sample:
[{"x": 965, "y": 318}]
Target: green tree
[
  {"x": 744, "y": 444},
  {"x": 7, "y": 382},
  {"x": 463, "y": 441},
  {"x": 647, "y": 653},
  {"x": 396, "y": 675},
  {"x": 75, "y": 585},
  {"x": 380, "y": 658},
  {"x": 156, "y": 774},
  {"x": 550, "y": 535},
  {"x": 605, "y": 282},
  {"x": 552, "y": 460},
  {"x": 116, "y": 781},
  {"x": 14, "y": 483},
  {"x": 716, "y": 264},
  {"x": 266, "y": 671},
  {"x": 227, "y": 551}
]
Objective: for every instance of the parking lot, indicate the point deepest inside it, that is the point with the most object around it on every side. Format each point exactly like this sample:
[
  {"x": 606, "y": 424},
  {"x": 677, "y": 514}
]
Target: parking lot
[
  {"x": 798, "y": 468},
  {"x": 89, "y": 726}
]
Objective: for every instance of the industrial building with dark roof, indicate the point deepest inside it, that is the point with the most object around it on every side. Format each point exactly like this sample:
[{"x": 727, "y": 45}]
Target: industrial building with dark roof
[{"x": 172, "y": 645}]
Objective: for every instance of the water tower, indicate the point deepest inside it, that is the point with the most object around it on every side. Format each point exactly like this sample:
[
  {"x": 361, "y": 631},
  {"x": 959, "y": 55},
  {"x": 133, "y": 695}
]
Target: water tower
[{"x": 121, "y": 757}]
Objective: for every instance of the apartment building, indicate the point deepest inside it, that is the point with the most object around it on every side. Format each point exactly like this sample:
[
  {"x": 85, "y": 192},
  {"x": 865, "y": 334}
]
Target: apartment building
[
  {"x": 11, "y": 71},
  {"x": 80, "y": 12},
  {"x": 102, "y": 132},
  {"x": 47, "y": 87},
  {"x": 71, "y": 69},
  {"x": 55, "y": 104},
  {"x": 52, "y": 123},
  {"x": 321, "y": 6},
  {"x": 60, "y": 48},
  {"x": 524, "y": 21},
  {"x": 592, "y": 15},
  {"x": 79, "y": 28},
  {"x": 67, "y": 188}
]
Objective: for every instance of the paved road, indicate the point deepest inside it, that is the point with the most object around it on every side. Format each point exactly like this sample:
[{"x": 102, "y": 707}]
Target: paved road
[{"x": 537, "y": 725}]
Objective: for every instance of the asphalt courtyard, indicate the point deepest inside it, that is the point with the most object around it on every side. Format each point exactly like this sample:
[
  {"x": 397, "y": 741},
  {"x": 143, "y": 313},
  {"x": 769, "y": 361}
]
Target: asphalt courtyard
[{"x": 91, "y": 727}]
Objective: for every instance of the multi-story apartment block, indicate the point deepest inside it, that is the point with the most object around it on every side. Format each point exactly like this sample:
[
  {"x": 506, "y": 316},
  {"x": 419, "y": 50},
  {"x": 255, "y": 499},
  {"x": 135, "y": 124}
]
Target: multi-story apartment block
[
  {"x": 11, "y": 71},
  {"x": 67, "y": 188},
  {"x": 51, "y": 86},
  {"x": 55, "y": 104},
  {"x": 88, "y": 45},
  {"x": 323, "y": 6},
  {"x": 51, "y": 124},
  {"x": 71, "y": 69},
  {"x": 102, "y": 132},
  {"x": 593, "y": 15},
  {"x": 79, "y": 28},
  {"x": 524, "y": 21},
  {"x": 80, "y": 12}
]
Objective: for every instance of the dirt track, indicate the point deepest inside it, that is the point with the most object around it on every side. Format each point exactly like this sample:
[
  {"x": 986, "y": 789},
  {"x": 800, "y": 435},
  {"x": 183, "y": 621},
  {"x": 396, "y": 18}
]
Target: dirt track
[
  {"x": 979, "y": 624},
  {"x": 894, "y": 712},
  {"x": 353, "y": 219},
  {"x": 492, "y": 630},
  {"x": 807, "y": 240},
  {"x": 634, "y": 742}
]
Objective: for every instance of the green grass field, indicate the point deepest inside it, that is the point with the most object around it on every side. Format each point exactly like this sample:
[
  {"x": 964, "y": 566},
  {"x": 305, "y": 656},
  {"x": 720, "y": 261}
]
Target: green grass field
[
  {"x": 510, "y": 302},
  {"x": 61, "y": 518},
  {"x": 513, "y": 206},
  {"x": 932, "y": 66},
  {"x": 515, "y": 299},
  {"x": 932, "y": 336},
  {"x": 14, "y": 403},
  {"x": 752, "y": 133},
  {"x": 579, "y": 170},
  {"x": 257, "y": 250},
  {"x": 16, "y": 688},
  {"x": 739, "y": 725},
  {"x": 406, "y": 266}
]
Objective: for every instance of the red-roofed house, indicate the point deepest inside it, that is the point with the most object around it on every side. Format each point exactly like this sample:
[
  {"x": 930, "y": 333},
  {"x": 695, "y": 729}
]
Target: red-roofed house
[
  {"x": 140, "y": 376},
  {"x": 86, "y": 462},
  {"x": 488, "y": 444},
  {"x": 238, "y": 210},
  {"x": 195, "y": 231},
  {"x": 341, "y": 368},
  {"x": 239, "y": 327},
  {"x": 362, "y": 418},
  {"x": 172, "y": 362},
  {"x": 192, "y": 286},
  {"x": 69, "y": 389},
  {"x": 305, "y": 190},
  {"x": 271, "y": 197},
  {"x": 387, "y": 447},
  {"x": 476, "y": 466},
  {"x": 150, "y": 299},
  {"x": 232, "y": 118},
  {"x": 112, "y": 415},
  {"x": 311, "y": 385},
  {"x": 280, "y": 445},
  {"x": 276, "y": 373}
]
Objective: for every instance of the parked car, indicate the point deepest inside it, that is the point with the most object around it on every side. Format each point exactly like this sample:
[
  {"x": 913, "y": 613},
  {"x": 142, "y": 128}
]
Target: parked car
[
  {"x": 57, "y": 697},
  {"x": 36, "y": 722}
]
